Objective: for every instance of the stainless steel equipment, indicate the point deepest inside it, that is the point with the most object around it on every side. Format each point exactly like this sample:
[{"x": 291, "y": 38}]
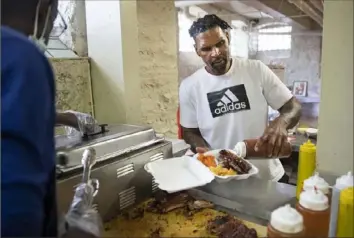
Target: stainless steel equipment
[
  {"x": 121, "y": 153},
  {"x": 179, "y": 147}
]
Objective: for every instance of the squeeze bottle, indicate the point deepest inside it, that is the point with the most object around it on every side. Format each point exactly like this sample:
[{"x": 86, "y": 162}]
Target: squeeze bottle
[
  {"x": 319, "y": 183},
  {"x": 342, "y": 182},
  {"x": 245, "y": 149},
  {"x": 285, "y": 222},
  {"x": 314, "y": 208},
  {"x": 345, "y": 214},
  {"x": 307, "y": 164}
]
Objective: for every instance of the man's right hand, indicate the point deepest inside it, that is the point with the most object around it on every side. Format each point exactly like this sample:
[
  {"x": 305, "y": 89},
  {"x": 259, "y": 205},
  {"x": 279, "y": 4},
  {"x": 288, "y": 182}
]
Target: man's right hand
[{"x": 201, "y": 150}]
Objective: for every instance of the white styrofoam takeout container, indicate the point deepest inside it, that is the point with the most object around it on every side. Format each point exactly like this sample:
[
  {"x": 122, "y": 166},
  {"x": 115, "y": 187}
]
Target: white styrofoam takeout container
[
  {"x": 222, "y": 179},
  {"x": 311, "y": 131},
  {"x": 180, "y": 173}
]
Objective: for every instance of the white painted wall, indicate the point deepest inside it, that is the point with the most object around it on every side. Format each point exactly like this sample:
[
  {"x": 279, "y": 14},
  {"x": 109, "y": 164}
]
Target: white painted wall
[
  {"x": 112, "y": 46},
  {"x": 335, "y": 138},
  {"x": 105, "y": 50}
]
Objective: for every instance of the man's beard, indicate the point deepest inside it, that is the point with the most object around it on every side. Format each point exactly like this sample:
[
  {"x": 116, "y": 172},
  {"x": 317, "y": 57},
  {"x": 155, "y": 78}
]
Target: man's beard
[{"x": 219, "y": 66}]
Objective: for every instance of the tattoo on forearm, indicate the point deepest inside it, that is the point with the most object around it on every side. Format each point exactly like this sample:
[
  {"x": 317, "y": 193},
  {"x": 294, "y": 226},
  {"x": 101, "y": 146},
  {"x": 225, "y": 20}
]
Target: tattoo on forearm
[
  {"x": 291, "y": 112},
  {"x": 193, "y": 137}
]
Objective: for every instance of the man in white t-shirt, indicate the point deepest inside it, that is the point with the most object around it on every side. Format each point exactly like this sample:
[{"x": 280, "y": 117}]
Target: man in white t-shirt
[{"x": 227, "y": 100}]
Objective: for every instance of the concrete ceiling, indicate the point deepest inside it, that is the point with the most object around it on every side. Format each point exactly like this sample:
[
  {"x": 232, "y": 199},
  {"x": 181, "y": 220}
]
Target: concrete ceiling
[
  {"x": 242, "y": 9},
  {"x": 232, "y": 6},
  {"x": 306, "y": 14},
  {"x": 302, "y": 13}
]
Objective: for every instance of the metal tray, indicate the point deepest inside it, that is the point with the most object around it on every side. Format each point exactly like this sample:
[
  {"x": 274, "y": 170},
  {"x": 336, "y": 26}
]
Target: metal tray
[
  {"x": 118, "y": 140},
  {"x": 123, "y": 180}
]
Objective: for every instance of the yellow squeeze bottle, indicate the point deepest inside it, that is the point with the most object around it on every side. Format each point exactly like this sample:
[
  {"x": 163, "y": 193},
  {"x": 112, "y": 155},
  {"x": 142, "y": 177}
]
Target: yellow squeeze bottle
[
  {"x": 345, "y": 213},
  {"x": 307, "y": 164}
]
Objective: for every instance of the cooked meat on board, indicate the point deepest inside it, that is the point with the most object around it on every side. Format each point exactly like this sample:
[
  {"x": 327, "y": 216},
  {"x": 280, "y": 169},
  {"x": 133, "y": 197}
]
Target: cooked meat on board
[
  {"x": 228, "y": 226},
  {"x": 179, "y": 215}
]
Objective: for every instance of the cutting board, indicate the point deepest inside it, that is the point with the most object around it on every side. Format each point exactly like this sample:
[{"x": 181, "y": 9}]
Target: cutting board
[{"x": 172, "y": 224}]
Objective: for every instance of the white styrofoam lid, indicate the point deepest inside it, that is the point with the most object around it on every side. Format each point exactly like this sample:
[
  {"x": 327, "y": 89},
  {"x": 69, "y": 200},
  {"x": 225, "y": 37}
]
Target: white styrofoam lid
[
  {"x": 312, "y": 131},
  {"x": 345, "y": 181},
  {"x": 177, "y": 174},
  {"x": 287, "y": 220},
  {"x": 314, "y": 200},
  {"x": 318, "y": 182}
]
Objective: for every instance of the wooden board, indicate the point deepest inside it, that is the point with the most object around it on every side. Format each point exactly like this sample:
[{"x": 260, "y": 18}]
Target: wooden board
[{"x": 172, "y": 224}]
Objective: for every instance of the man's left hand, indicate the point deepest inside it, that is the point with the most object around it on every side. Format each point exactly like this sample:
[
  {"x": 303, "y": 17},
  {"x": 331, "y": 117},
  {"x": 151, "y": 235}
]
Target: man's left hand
[{"x": 274, "y": 136}]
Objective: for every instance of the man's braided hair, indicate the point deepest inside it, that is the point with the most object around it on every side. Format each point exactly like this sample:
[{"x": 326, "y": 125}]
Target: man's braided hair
[{"x": 206, "y": 23}]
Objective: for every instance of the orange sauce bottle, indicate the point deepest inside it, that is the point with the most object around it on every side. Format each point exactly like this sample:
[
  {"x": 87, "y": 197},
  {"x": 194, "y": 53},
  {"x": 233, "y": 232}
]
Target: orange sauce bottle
[
  {"x": 314, "y": 208},
  {"x": 285, "y": 222},
  {"x": 246, "y": 149},
  {"x": 319, "y": 183}
]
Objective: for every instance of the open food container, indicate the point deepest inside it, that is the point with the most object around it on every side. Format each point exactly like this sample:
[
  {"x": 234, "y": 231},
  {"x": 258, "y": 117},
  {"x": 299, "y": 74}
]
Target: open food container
[
  {"x": 180, "y": 173},
  {"x": 218, "y": 160}
]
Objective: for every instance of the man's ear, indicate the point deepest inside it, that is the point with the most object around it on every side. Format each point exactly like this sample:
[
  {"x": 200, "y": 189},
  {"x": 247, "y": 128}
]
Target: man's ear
[
  {"x": 196, "y": 50},
  {"x": 227, "y": 33}
]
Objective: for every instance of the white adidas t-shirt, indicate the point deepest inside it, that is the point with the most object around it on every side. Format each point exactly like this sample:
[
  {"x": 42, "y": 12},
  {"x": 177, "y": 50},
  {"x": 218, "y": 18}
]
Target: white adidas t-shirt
[{"x": 234, "y": 107}]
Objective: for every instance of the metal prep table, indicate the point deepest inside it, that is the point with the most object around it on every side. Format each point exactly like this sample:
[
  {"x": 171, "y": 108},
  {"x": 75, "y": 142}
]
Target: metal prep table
[
  {"x": 252, "y": 199},
  {"x": 121, "y": 155}
]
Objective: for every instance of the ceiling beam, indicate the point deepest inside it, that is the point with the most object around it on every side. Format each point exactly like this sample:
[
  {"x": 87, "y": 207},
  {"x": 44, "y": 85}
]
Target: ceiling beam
[
  {"x": 185, "y": 3},
  {"x": 308, "y": 10},
  {"x": 285, "y": 10},
  {"x": 318, "y": 4}
]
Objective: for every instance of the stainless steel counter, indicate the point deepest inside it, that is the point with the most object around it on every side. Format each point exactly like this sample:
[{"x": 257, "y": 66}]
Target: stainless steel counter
[{"x": 252, "y": 199}]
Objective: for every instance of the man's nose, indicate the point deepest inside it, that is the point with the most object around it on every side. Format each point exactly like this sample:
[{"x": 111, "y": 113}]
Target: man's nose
[{"x": 215, "y": 51}]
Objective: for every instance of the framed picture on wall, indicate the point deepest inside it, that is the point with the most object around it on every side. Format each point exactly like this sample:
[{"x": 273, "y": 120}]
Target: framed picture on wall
[{"x": 300, "y": 88}]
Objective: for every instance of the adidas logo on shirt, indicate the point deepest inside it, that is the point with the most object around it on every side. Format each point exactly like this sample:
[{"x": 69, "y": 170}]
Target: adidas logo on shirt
[{"x": 228, "y": 100}]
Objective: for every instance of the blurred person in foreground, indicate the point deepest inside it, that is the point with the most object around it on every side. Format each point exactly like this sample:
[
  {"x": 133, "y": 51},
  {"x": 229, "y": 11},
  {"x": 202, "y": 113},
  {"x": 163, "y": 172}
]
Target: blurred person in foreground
[
  {"x": 28, "y": 117},
  {"x": 227, "y": 100}
]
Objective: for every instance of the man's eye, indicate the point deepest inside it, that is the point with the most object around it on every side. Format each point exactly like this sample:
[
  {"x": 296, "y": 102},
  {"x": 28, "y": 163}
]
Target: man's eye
[
  {"x": 206, "y": 49},
  {"x": 221, "y": 43}
]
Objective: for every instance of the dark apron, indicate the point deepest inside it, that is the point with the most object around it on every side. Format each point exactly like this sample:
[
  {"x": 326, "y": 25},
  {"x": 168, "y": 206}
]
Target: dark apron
[{"x": 50, "y": 223}]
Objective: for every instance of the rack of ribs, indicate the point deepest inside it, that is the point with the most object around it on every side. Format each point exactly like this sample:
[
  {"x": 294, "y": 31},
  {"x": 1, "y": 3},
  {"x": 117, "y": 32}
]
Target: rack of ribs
[
  {"x": 230, "y": 227},
  {"x": 164, "y": 202},
  {"x": 231, "y": 161}
]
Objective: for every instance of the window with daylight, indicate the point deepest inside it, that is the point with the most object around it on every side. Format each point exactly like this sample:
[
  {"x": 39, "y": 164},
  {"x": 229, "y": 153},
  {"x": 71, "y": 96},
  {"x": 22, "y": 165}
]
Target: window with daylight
[
  {"x": 56, "y": 48},
  {"x": 186, "y": 43},
  {"x": 268, "y": 39},
  {"x": 239, "y": 43}
]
